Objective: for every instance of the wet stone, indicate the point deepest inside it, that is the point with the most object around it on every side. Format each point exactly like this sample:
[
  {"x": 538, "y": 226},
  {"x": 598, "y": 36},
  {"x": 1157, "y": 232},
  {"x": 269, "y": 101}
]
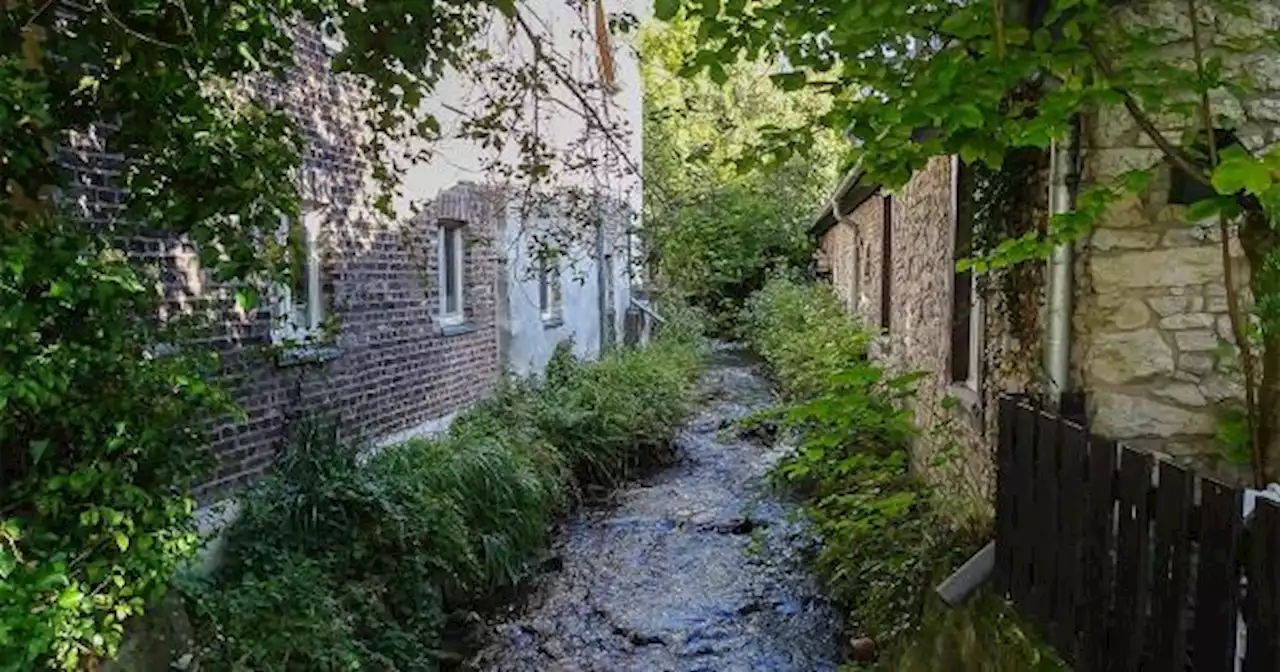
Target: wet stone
[{"x": 666, "y": 579}]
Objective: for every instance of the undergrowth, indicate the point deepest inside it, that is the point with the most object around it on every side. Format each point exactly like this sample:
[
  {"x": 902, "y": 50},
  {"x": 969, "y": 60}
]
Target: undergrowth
[
  {"x": 885, "y": 538},
  {"x": 335, "y": 565}
]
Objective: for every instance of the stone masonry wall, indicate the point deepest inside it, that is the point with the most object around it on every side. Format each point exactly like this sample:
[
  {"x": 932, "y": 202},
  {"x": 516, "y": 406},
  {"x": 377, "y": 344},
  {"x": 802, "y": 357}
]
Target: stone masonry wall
[
  {"x": 951, "y": 449},
  {"x": 392, "y": 366},
  {"x": 1154, "y": 346}
]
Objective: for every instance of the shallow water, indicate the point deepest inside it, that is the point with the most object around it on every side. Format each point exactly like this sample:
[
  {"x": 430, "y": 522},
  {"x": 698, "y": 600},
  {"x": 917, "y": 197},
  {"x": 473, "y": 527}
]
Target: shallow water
[{"x": 694, "y": 568}]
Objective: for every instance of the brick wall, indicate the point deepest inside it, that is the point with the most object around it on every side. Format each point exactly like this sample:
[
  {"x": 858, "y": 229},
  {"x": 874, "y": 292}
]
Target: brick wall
[{"x": 392, "y": 365}]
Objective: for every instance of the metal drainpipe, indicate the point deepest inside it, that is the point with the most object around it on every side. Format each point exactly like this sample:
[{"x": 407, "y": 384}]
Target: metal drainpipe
[{"x": 1062, "y": 187}]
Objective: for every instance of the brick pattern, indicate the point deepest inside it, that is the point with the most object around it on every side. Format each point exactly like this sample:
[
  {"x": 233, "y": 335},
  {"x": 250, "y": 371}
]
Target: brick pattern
[{"x": 394, "y": 366}]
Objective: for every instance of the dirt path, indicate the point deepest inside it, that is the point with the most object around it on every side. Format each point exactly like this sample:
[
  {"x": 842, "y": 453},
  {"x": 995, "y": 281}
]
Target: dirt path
[{"x": 694, "y": 569}]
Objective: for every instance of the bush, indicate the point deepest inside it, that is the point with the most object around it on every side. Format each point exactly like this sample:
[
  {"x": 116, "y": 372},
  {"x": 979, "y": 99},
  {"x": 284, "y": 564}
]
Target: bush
[
  {"x": 882, "y": 541},
  {"x": 100, "y": 445},
  {"x": 803, "y": 333},
  {"x": 337, "y": 566}
]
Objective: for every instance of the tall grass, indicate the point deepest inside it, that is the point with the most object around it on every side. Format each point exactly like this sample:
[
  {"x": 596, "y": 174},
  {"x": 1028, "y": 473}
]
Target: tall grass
[{"x": 337, "y": 566}]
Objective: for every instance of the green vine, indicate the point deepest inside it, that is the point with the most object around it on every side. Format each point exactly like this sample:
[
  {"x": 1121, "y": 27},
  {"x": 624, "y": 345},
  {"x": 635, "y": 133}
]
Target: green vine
[{"x": 1008, "y": 202}]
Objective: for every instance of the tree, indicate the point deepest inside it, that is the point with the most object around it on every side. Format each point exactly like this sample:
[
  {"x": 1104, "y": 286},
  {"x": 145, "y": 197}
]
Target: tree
[
  {"x": 99, "y": 426},
  {"x": 920, "y": 79},
  {"x": 719, "y": 214}
]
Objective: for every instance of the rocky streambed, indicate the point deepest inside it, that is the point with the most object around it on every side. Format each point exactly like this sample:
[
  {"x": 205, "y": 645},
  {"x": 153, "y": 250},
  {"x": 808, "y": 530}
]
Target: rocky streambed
[{"x": 696, "y": 567}]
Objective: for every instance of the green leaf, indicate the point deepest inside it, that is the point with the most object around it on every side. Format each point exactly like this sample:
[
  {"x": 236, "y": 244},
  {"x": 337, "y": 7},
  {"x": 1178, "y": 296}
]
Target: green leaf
[
  {"x": 665, "y": 10},
  {"x": 37, "y": 449},
  {"x": 789, "y": 81},
  {"x": 1209, "y": 207},
  {"x": 69, "y": 597},
  {"x": 122, "y": 540},
  {"x": 1241, "y": 172},
  {"x": 968, "y": 116}
]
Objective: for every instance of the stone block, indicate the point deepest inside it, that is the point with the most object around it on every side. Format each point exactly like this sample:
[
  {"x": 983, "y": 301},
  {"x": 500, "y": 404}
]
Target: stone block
[
  {"x": 1131, "y": 314},
  {"x": 1221, "y": 388},
  {"x": 1201, "y": 340},
  {"x": 1122, "y": 416},
  {"x": 1128, "y": 356},
  {"x": 1187, "y": 321},
  {"x": 1225, "y": 332},
  {"x": 1156, "y": 268},
  {"x": 1169, "y": 305},
  {"x": 1121, "y": 239},
  {"x": 1191, "y": 235},
  {"x": 1113, "y": 162},
  {"x": 1181, "y": 393},
  {"x": 1197, "y": 364}
]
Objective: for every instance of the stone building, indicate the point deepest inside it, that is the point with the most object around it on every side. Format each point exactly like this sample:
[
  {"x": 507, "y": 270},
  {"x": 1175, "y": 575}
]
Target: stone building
[{"x": 1147, "y": 355}]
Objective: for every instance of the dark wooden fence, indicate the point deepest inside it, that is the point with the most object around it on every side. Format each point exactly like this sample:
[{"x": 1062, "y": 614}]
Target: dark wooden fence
[{"x": 1123, "y": 562}]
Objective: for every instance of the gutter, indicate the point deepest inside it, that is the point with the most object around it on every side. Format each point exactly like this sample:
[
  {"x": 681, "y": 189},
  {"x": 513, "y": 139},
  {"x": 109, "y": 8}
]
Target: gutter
[{"x": 1063, "y": 183}]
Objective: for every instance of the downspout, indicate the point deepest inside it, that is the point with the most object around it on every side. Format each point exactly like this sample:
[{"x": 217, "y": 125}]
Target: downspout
[{"x": 1063, "y": 183}]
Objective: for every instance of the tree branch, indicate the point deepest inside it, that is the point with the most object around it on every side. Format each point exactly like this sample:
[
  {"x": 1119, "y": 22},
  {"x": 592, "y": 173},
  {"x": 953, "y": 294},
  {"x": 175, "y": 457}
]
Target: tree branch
[
  {"x": 1175, "y": 153},
  {"x": 1257, "y": 455}
]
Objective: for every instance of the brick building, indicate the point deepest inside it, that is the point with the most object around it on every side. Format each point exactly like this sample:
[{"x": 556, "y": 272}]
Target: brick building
[{"x": 394, "y": 325}]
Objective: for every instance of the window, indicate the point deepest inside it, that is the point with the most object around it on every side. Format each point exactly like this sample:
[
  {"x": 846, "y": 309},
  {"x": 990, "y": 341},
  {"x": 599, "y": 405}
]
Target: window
[
  {"x": 550, "y": 289},
  {"x": 300, "y": 302},
  {"x": 886, "y": 265},
  {"x": 966, "y": 304},
  {"x": 452, "y": 258}
]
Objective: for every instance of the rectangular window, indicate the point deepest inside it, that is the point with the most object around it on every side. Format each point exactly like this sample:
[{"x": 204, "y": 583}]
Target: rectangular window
[
  {"x": 966, "y": 304},
  {"x": 550, "y": 288},
  {"x": 300, "y": 302},
  {"x": 886, "y": 266},
  {"x": 452, "y": 259}
]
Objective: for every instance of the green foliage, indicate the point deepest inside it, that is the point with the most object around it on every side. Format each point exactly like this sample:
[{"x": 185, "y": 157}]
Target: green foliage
[
  {"x": 983, "y": 635},
  {"x": 917, "y": 79},
  {"x": 97, "y": 429},
  {"x": 337, "y": 566},
  {"x": 882, "y": 538},
  {"x": 721, "y": 211},
  {"x": 804, "y": 334},
  {"x": 100, "y": 445}
]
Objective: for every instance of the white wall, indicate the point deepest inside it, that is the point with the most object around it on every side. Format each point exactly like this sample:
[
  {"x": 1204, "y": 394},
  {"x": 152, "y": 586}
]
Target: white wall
[
  {"x": 457, "y": 159},
  {"x": 529, "y": 341}
]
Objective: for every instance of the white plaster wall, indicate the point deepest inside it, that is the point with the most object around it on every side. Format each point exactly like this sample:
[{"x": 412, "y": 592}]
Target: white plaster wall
[
  {"x": 456, "y": 159},
  {"x": 530, "y": 341}
]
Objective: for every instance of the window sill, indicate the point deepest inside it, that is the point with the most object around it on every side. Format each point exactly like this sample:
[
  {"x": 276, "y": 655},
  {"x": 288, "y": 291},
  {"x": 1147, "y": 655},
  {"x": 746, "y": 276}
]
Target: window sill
[
  {"x": 307, "y": 353},
  {"x": 455, "y": 328},
  {"x": 967, "y": 398}
]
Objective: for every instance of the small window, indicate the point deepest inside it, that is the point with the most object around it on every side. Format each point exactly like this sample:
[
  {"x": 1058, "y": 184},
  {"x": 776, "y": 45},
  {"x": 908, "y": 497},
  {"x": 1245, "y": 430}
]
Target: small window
[
  {"x": 550, "y": 288},
  {"x": 452, "y": 258},
  {"x": 966, "y": 304},
  {"x": 300, "y": 302},
  {"x": 886, "y": 266}
]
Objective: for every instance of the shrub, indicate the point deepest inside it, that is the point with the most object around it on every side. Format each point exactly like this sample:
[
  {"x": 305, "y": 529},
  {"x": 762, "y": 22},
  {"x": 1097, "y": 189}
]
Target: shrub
[
  {"x": 882, "y": 541},
  {"x": 337, "y": 566},
  {"x": 99, "y": 447},
  {"x": 803, "y": 333}
]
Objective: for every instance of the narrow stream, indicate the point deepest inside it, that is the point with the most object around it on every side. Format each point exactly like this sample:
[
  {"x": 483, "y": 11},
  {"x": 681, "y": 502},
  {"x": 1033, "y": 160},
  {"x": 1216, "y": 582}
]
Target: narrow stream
[{"x": 696, "y": 568}]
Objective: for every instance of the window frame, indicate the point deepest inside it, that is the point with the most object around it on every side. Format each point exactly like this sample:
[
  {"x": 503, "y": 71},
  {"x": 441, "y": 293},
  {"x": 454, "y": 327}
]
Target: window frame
[
  {"x": 550, "y": 289},
  {"x": 451, "y": 232},
  {"x": 972, "y": 381},
  {"x": 285, "y": 328},
  {"x": 886, "y": 264}
]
